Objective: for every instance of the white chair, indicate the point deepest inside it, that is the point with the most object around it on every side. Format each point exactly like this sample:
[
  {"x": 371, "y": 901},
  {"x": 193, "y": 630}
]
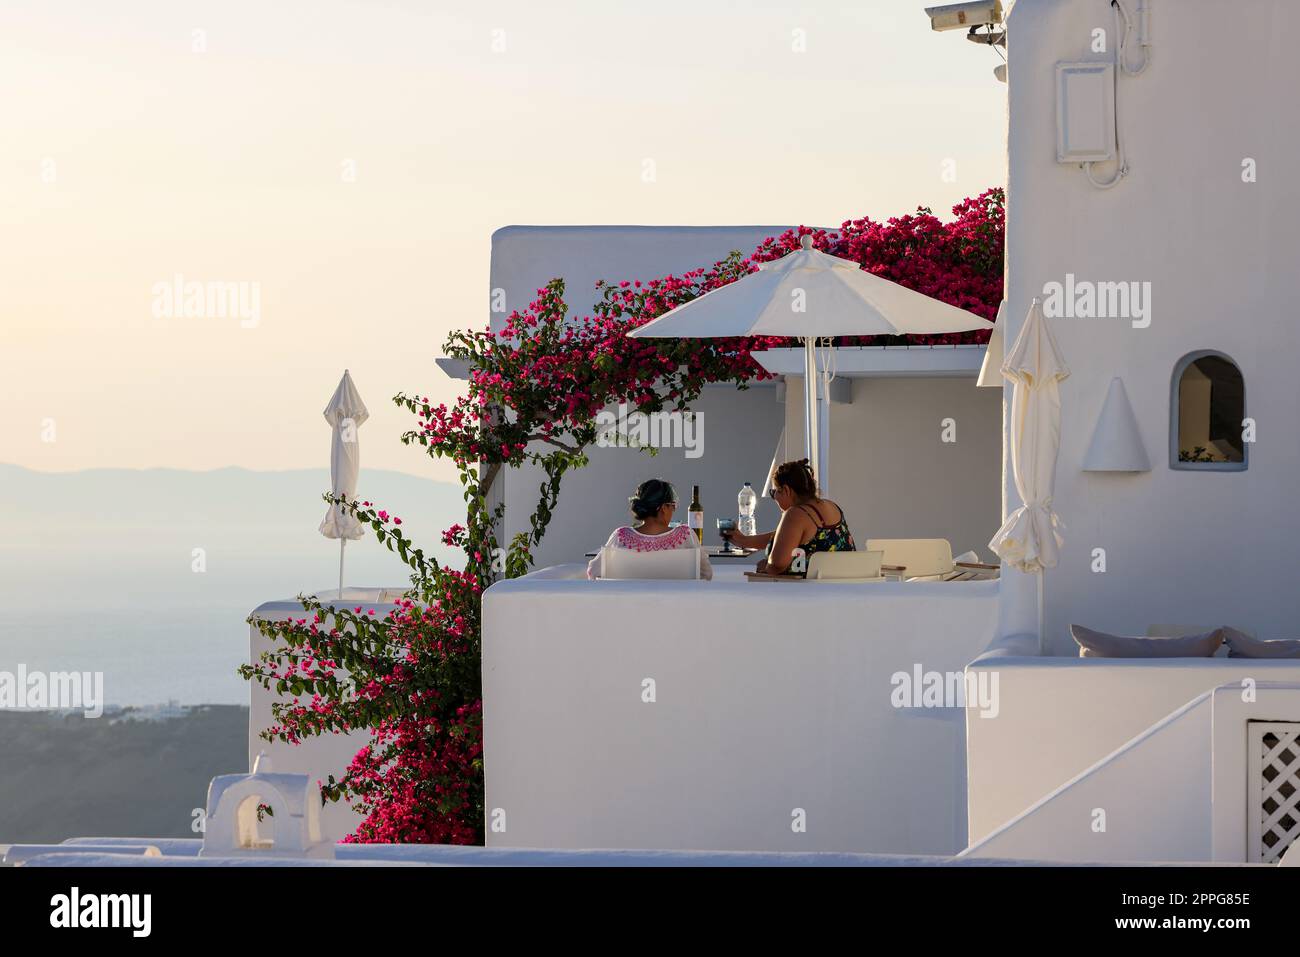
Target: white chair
[
  {"x": 845, "y": 567},
  {"x": 921, "y": 558},
  {"x": 967, "y": 567},
  {"x": 626, "y": 564}
]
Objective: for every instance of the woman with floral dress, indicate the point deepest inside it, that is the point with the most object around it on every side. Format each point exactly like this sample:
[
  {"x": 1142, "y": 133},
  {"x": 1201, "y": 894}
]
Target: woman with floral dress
[{"x": 652, "y": 509}]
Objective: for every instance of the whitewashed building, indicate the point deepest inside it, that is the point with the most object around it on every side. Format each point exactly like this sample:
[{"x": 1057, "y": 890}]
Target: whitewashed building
[
  {"x": 771, "y": 708},
  {"x": 1150, "y": 206}
]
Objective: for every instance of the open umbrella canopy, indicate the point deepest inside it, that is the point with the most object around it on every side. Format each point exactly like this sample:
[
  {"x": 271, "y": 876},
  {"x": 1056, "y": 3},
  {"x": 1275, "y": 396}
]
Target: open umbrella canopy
[
  {"x": 808, "y": 293},
  {"x": 811, "y": 295}
]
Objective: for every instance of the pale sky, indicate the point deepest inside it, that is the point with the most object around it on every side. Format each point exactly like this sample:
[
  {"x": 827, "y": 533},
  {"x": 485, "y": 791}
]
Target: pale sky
[{"x": 352, "y": 159}]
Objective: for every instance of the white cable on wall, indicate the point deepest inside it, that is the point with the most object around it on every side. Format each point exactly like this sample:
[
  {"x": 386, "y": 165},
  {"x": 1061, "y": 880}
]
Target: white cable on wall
[
  {"x": 1143, "y": 35},
  {"x": 1123, "y": 27}
]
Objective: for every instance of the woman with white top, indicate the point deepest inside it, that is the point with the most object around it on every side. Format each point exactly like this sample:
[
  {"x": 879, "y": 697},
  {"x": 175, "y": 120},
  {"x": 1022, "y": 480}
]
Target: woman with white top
[{"x": 652, "y": 509}]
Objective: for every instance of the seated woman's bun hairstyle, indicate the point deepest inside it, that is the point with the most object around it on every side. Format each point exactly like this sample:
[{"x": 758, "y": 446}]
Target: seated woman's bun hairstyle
[
  {"x": 651, "y": 495},
  {"x": 797, "y": 477}
]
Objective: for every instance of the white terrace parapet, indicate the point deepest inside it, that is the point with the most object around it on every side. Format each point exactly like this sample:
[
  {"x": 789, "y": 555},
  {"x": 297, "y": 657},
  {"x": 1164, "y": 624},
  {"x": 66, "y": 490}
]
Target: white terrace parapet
[
  {"x": 725, "y": 715},
  {"x": 327, "y": 754},
  {"x": 114, "y": 852},
  {"x": 1059, "y": 717}
]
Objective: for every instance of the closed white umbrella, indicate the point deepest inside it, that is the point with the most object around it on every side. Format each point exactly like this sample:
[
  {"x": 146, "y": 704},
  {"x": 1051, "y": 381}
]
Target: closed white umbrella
[
  {"x": 991, "y": 368},
  {"x": 1028, "y": 539},
  {"x": 811, "y": 295},
  {"x": 778, "y": 456},
  {"x": 345, "y": 414}
]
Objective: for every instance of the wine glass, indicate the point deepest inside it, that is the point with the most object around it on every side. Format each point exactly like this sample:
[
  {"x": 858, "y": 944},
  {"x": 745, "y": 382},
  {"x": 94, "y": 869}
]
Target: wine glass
[{"x": 727, "y": 525}]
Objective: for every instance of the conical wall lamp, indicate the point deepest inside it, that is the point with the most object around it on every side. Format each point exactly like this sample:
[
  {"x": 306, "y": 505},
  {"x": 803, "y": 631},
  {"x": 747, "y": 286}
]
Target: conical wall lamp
[{"x": 1116, "y": 442}]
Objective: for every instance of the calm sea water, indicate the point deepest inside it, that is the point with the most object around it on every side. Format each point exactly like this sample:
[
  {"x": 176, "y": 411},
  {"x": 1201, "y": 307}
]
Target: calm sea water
[{"x": 115, "y": 589}]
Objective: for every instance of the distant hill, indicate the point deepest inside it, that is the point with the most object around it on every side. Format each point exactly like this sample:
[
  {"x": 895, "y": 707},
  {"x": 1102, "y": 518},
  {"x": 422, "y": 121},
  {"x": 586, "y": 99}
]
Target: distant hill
[
  {"x": 136, "y": 500},
  {"x": 66, "y": 776}
]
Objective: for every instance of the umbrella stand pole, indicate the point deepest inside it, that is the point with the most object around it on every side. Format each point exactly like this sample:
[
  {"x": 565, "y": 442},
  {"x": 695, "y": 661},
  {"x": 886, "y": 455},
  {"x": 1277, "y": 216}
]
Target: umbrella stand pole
[
  {"x": 823, "y": 472},
  {"x": 1040, "y": 611},
  {"x": 342, "y": 544},
  {"x": 811, "y": 430}
]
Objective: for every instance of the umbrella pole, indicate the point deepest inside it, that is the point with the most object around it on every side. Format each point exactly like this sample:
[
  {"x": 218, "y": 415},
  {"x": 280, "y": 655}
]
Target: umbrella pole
[
  {"x": 342, "y": 543},
  {"x": 811, "y": 432},
  {"x": 823, "y": 472},
  {"x": 1040, "y": 611}
]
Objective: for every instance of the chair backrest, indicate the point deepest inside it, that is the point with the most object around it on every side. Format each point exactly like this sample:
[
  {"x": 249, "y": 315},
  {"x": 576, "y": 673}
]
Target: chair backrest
[
  {"x": 923, "y": 557},
  {"x": 622, "y": 564},
  {"x": 845, "y": 567}
]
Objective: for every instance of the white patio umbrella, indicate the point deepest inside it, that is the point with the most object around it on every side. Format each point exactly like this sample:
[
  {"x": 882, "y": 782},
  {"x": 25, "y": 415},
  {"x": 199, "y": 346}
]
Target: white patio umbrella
[
  {"x": 811, "y": 295},
  {"x": 1028, "y": 539},
  {"x": 345, "y": 414}
]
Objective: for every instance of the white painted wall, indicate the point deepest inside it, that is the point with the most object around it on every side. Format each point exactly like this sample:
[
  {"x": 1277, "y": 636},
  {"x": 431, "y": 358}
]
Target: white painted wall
[
  {"x": 1150, "y": 801},
  {"x": 1220, "y": 254},
  {"x": 1059, "y": 716},
  {"x": 318, "y": 757},
  {"x": 892, "y": 473},
  {"x": 1179, "y": 791},
  {"x": 770, "y": 697},
  {"x": 1268, "y": 701},
  {"x": 526, "y": 258},
  {"x": 739, "y": 431}
]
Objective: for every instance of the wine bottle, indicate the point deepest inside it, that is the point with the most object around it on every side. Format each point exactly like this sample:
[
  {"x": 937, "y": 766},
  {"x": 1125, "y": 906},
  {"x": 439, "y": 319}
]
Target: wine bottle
[{"x": 695, "y": 514}]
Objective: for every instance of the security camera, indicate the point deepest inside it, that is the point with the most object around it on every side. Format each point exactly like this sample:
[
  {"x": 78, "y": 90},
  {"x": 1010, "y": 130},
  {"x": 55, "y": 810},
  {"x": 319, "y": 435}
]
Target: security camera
[{"x": 961, "y": 16}]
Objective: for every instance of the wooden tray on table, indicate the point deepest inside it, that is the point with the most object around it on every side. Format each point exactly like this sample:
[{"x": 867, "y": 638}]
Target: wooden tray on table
[{"x": 765, "y": 577}]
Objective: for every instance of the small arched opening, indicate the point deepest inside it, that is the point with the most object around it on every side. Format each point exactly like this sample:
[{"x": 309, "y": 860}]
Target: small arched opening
[{"x": 1207, "y": 427}]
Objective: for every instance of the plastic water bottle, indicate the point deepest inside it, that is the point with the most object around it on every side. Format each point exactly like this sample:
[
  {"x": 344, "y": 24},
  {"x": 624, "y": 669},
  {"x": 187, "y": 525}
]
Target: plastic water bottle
[{"x": 746, "y": 500}]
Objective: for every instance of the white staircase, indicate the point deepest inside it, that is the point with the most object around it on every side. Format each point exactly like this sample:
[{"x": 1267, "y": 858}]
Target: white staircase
[{"x": 1218, "y": 779}]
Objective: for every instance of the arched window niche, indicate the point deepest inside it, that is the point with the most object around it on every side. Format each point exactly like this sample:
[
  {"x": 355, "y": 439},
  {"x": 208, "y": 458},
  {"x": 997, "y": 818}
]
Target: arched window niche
[{"x": 1207, "y": 407}]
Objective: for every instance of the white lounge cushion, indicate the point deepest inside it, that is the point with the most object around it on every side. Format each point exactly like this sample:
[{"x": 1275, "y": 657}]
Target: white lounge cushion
[
  {"x": 1242, "y": 645},
  {"x": 1098, "y": 644}
]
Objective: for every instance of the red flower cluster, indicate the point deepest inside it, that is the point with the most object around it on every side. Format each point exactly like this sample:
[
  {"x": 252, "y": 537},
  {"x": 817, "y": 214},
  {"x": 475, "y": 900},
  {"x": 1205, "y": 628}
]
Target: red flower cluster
[
  {"x": 958, "y": 262},
  {"x": 420, "y": 781}
]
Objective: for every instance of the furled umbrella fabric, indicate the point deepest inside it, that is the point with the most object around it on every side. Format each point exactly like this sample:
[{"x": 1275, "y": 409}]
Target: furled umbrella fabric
[
  {"x": 1029, "y": 539},
  {"x": 345, "y": 414},
  {"x": 991, "y": 368}
]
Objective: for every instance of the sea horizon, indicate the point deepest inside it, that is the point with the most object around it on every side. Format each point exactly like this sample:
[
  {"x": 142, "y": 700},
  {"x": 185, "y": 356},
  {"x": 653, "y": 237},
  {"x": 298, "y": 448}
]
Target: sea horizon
[{"x": 149, "y": 575}]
